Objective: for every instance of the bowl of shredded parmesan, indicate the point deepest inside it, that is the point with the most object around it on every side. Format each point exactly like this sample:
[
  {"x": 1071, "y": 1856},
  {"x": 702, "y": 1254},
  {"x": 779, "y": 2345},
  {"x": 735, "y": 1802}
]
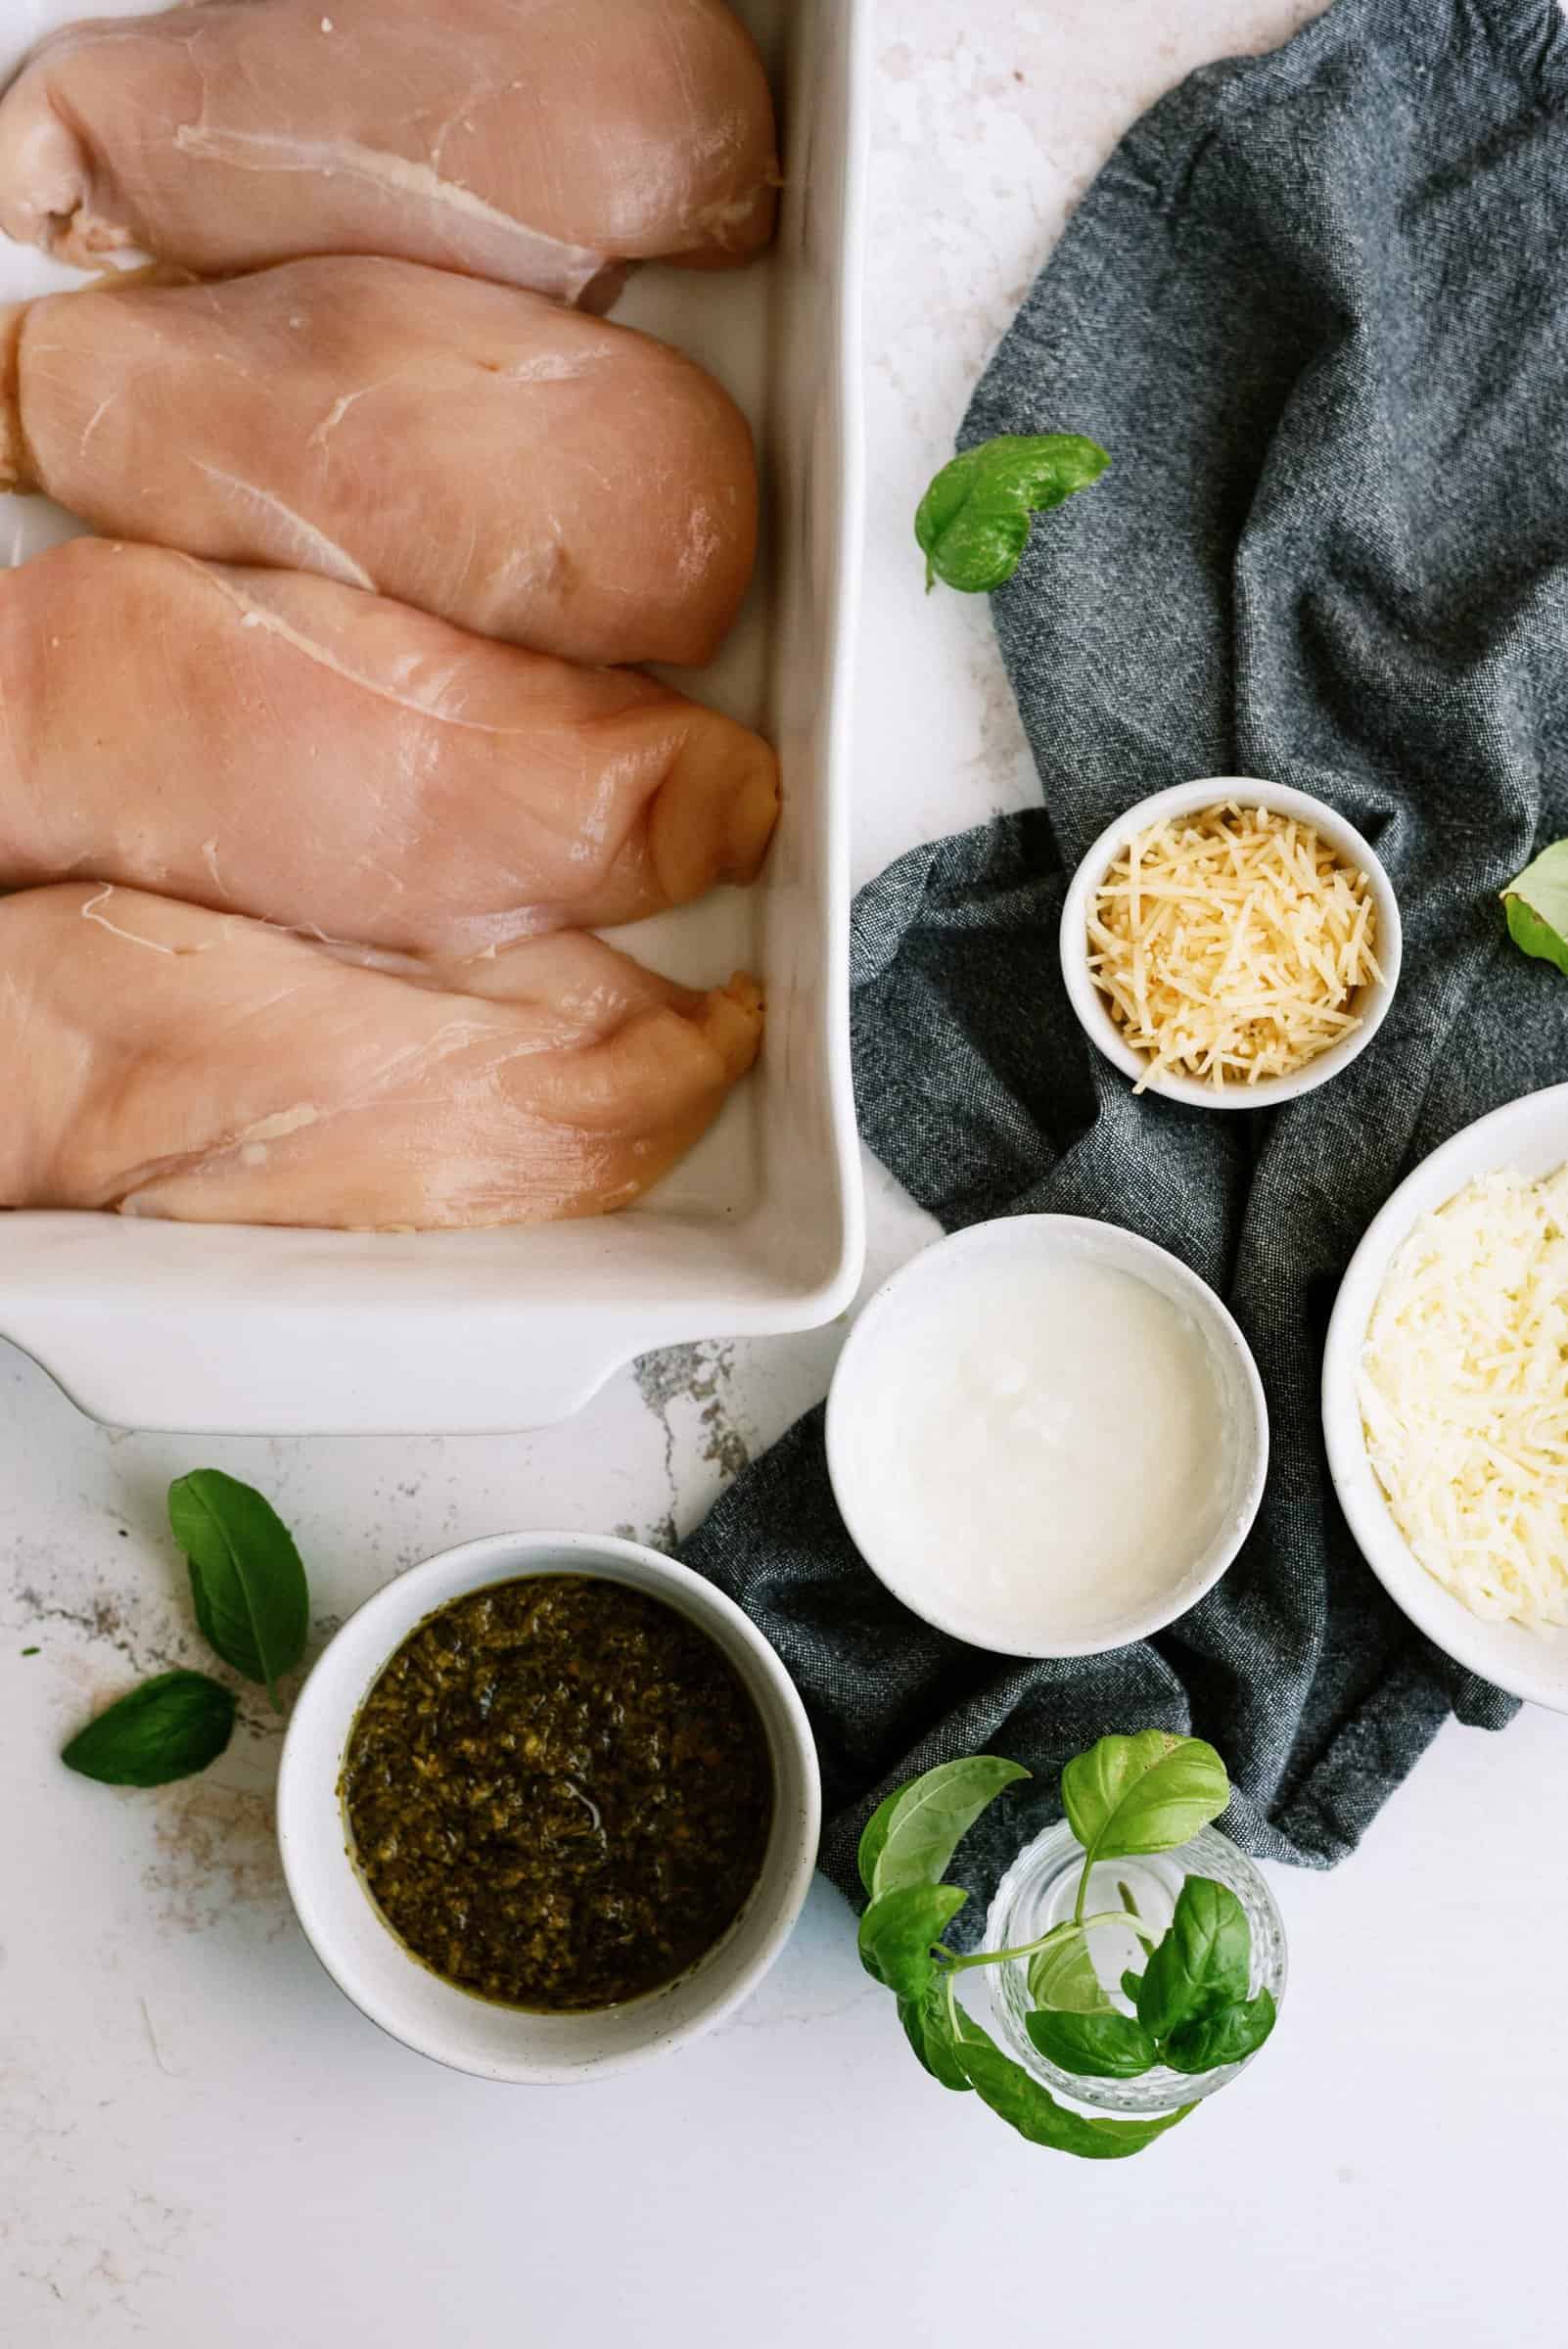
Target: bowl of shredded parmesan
[
  {"x": 1230, "y": 943},
  {"x": 1446, "y": 1397}
]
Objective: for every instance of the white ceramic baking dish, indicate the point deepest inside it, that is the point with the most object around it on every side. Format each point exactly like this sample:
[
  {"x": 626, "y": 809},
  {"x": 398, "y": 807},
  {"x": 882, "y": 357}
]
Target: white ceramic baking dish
[{"x": 221, "y": 1328}]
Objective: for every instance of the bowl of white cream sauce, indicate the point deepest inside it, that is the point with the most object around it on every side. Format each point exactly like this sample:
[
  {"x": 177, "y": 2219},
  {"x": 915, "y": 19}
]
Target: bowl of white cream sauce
[{"x": 1046, "y": 1436}]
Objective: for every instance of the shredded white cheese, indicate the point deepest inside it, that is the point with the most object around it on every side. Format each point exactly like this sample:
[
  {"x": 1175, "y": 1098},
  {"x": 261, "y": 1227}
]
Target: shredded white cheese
[
  {"x": 1232, "y": 945},
  {"x": 1463, "y": 1391}
]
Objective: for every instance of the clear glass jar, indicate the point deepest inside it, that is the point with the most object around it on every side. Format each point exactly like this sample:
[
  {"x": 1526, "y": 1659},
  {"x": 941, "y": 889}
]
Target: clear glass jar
[{"x": 1039, "y": 1891}]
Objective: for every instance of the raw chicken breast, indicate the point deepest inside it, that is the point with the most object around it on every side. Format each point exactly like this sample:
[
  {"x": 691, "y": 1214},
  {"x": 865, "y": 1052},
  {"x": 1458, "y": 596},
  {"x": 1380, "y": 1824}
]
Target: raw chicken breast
[
  {"x": 276, "y": 745},
  {"x": 539, "y": 142},
  {"x": 164, "y": 1060},
  {"x": 482, "y": 453}
]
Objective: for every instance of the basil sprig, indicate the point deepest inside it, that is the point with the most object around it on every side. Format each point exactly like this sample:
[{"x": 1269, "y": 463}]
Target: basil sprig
[
  {"x": 973, "y": 523},
  {"x": 253, "y": 1607},
  {"x": 1126, "y": 1797}
]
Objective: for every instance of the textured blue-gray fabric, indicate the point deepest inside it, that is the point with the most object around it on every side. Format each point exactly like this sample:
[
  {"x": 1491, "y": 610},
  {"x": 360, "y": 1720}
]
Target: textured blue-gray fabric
[{"x": 1316, "y": 308}]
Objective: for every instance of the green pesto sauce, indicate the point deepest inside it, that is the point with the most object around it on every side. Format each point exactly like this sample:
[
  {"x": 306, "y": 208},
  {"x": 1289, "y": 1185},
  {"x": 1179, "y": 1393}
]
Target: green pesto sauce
[{"x": 558, "y": 1793}]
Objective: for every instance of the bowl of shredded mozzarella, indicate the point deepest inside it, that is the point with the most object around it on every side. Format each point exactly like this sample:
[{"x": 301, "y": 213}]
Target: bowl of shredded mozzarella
[
  {"x": 1446, "y": 1397},
  {"x": 1230, "y": 943}
]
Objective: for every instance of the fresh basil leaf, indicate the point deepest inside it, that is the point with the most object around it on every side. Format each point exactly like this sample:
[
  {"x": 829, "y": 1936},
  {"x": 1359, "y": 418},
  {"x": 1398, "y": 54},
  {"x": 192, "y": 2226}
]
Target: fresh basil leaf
[
  {"x": 1146, "y": 1793},
  {"x": 973, "y": 523},
  {"x": 1535, "y": 936},
  {"x": 1034, "y": 2112},
  {"x": 931, "y": 1816},
  {"x": 1202, "y": 1964},
  {"x": 251, "y": 1600},
  {"x": 167, "y": 1728},
  {"x": 927, "y": 2028},
  {"x": 874, "y": 1835},
  {"x": 1229, "y": 2037},
  {"x": 1061, "y": 1974},
  {"x": 1537, "y": 907},
  {"x": 1101, "y": 2046},
  {"x": 1129, "y": 1986},
  {"x": 898, "y": 1930}
]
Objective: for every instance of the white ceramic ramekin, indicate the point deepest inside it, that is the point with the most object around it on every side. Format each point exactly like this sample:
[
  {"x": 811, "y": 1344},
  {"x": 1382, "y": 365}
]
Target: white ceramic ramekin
[
  {"x": 367, "y": 1961},
  {"x": 858, "y": 1452},
  {"x": 1187, "y": 799}
]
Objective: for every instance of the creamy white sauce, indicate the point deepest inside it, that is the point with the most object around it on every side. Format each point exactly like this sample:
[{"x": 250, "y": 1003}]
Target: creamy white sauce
[{"x": 1045, "y": 1450}]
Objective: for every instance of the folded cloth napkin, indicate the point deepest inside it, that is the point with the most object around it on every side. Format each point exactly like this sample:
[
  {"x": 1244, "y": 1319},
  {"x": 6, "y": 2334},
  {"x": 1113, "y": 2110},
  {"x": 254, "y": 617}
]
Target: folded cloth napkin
[{"x": 1315, "y": 307}]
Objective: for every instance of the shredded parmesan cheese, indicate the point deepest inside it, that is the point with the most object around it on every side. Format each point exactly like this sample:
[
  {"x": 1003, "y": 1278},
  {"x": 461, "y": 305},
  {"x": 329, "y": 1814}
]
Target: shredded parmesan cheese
[
  {"x": 1232, "y": 945},
  {"x": 1463, "y": 1391}
]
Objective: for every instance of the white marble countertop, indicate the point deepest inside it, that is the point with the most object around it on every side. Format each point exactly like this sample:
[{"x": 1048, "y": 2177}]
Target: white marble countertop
[{"x": 202, "y": 2143}]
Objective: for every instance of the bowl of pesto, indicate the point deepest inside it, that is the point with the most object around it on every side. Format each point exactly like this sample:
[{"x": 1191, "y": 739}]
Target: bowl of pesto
[{"x": 548, "y": 1806}]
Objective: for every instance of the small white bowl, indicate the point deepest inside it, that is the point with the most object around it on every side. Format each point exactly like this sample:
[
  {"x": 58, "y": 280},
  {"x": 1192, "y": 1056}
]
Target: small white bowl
[
  {"x": 1189, "y": 799},
  {"x": 905, "y": 1310},
  {"x": 1528, "y": 1135},
  {"x": 359, "y": 1950}
]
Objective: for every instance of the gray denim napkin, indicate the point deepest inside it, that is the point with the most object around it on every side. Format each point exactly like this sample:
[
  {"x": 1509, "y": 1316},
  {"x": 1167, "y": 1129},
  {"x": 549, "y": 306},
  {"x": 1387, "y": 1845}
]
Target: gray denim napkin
[{"x": 1316, "y": 307}]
